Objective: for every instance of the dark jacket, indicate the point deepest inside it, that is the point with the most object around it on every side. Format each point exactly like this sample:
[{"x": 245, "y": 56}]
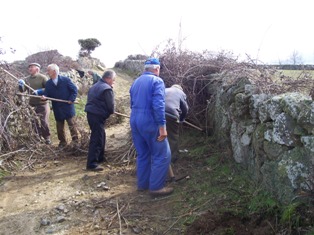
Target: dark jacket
[
  {"x": 100, "y": 99},
  {"x": 96, "y": 78},
  {"x": 176, "y": 105},
  {"x": 64, "y": 90}
]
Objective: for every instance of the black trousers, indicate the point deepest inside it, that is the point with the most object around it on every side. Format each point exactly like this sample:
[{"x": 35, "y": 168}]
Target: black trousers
[{"x": 96, "y": 150}]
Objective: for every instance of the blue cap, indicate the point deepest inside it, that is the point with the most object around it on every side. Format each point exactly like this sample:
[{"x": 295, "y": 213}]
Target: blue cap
[{"x": 152, "y": 61}]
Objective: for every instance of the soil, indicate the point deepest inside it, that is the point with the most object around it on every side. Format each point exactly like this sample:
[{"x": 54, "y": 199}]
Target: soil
[{"x": 58, "y": 196}]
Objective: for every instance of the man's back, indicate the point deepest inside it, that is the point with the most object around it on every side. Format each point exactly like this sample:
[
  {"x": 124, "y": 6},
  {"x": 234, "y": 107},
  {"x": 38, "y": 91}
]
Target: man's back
[
  {"x": 147, "y": 93},
  {"x": 176, "y": 104}
]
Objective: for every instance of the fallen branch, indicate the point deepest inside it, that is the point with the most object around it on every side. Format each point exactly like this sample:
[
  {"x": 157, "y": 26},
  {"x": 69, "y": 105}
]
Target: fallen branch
[
  {"x": 188, "y": 123},
  {"x": 14, "y": 152},
  {"x": 47, "y": 98},
  {"x": 6, "y": 120},
  {"x": 119, "y": 217},
  {"x": 7, "y": 72},
  {"x": 114, "y": 216}
]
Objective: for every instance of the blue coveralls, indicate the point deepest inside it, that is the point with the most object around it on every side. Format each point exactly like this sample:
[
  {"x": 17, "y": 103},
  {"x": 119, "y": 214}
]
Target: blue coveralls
[{"x": 148, "y": 114}]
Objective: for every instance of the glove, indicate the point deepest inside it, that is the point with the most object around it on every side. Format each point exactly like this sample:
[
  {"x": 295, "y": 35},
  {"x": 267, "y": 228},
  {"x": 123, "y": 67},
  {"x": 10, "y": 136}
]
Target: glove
[
  {"x": 39, "y": 92},
  {"x": 21, "y": 83}
]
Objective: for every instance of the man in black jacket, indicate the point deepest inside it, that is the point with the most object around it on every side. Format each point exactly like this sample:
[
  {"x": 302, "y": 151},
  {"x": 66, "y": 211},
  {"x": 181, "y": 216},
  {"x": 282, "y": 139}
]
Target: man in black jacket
[{"x": 99, "y": 106}]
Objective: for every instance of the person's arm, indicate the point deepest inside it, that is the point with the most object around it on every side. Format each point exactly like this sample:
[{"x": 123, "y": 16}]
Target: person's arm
[
  {"x": 159, "y": 108},
  {"x": 108, "y": 96},
  {"x": 184, "y": 108},
  {"x": 73, "y": 90}
]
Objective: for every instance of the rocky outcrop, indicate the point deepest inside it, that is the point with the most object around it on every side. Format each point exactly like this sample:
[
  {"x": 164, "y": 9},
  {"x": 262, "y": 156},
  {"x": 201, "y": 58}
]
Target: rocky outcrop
[
  {"x": 131, "y": 66},
  {"x": 271, "y": 135}
]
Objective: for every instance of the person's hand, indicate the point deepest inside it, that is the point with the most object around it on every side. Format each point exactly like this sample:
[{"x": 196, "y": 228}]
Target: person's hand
[
  {"x": 21, "y": 83},
  {"x": 38, "y": 92},
  {"x": 70, "y": 102},
  {"x": 43, "y": 98},
  {"x": 162, "y": 133}
]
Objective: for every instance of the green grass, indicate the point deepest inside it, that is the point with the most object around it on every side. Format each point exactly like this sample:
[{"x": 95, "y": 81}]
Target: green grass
[
  {"x": 218, "y": 184},
  {"x": 296, "y": 73},
  {"x": 79, "y": 108},
  {"x": 3, "y": 174},
  {"x": 80, "y": 114}
]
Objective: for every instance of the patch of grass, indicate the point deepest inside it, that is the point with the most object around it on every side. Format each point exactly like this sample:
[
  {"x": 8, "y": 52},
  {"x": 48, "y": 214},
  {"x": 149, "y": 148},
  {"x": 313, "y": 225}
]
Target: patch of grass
[
  {"x": 229, "y": 231},
  {"x": 296, "y": 73},
  {"x": 290, "y": 215},
  {"x": 219, "y": 185},
  {"x": 3, "y": 174},
  {"x": 79, "y": 108},
  {"x": 263, "y": 203},
  {"x": 199, "y": 151}
]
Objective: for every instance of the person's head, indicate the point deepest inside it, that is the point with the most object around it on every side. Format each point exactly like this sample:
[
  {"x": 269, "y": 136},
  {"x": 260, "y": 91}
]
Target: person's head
[
  {"x": 90, "y": 72},
  {"x": 177, "y": 86},
  {"x": 53, "y": 71},
  {"x": 33, "y": 68},
  {"x": 152, "y": 65},
  {"x": 109, "y": 77}
]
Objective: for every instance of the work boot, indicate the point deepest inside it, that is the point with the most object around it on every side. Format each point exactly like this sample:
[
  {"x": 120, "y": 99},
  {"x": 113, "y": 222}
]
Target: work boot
[
  {"x": 62, "y": 145},
  {"x": 48, "y": 141},
  {"x": 97, "y": 168},
  {"x": 161, "y": 192}
]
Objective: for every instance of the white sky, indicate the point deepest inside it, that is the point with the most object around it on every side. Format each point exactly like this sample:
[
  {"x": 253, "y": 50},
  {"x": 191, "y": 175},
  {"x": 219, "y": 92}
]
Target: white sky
[{"x": 267, "y": 30}]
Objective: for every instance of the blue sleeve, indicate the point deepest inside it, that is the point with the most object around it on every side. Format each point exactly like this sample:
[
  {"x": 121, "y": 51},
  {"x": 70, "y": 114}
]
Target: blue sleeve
[
  {"x": 158, "y": 102},
  {"x": 73, "y": 90},
  {"x": 46, "y": 90}
]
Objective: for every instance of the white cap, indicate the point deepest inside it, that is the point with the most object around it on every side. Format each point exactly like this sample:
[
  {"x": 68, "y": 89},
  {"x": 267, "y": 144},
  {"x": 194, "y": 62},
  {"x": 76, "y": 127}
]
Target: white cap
[{"x": 36, "y": 64}]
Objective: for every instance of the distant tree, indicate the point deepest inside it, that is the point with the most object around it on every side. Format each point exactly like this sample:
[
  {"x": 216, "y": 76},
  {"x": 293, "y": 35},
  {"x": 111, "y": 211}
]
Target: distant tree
[
  {"x": 87, "y": 46},
  {"x": 295, "y": 58},
  {"x": 1, "y": 49},
  {"x": 137, "y": 57}
]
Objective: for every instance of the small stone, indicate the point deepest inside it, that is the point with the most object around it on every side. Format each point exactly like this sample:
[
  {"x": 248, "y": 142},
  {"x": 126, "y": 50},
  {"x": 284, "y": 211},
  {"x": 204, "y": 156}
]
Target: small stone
[
  {"x": 61, "y": 207},
  {"x": 60, "y": 219},
  {"x": 137, "y": 230},
  {"x": 101, "y": 185},
  {"x": 106, "y": 187},
  {"x": 44, "y": 222}
]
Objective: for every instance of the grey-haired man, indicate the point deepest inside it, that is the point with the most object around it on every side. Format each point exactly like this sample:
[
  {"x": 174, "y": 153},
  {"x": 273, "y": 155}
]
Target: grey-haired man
[{"x": 176, "y": 111}]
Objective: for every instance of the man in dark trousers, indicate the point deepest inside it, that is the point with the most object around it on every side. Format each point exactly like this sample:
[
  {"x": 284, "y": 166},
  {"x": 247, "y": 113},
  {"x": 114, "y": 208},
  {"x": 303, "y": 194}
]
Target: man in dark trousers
[
  {"x": 60, "y": 87},
  {"x": 176, "y": 111},
  {"x": 99, "y": 106},
  {"x": 37, "y": 81}
]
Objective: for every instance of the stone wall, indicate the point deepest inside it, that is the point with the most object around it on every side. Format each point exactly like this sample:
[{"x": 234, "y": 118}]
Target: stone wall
[{"x": 271, "y": 135}]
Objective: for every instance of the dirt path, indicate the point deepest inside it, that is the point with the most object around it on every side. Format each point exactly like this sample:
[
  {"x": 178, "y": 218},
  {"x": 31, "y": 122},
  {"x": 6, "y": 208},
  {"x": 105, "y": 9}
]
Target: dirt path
[{"x": 61, "y": 197}]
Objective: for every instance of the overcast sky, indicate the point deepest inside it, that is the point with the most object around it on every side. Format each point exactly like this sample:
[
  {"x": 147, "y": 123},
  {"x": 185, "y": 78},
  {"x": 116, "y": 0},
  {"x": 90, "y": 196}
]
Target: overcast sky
[{"x": 267, "y": 30}]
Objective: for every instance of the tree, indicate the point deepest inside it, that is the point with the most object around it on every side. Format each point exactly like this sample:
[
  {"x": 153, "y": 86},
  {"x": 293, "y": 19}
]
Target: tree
[
  {"x": 87, "y": 46},
  {"x": 296, "y": 58}
]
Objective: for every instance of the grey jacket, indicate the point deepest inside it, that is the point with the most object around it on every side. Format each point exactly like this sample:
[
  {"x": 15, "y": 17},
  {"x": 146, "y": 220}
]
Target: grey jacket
[{"x": 176, "y": 105}]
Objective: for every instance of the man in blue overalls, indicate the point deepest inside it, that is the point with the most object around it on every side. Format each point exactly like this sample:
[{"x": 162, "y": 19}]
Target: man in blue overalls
[{"x": 148, "y": 126}]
